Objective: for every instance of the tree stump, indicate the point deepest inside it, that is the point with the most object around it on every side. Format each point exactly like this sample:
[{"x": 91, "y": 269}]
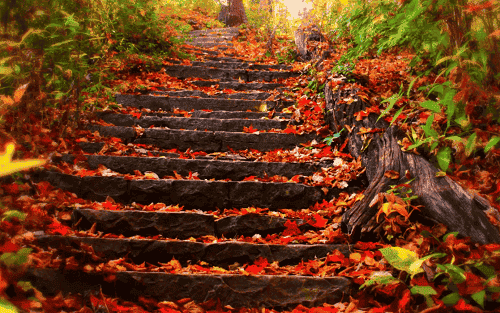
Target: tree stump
[
  {"x": 444, "y": 200},
  {"x": 308, "y": 39},
  {"x": 233, "y": 14}
]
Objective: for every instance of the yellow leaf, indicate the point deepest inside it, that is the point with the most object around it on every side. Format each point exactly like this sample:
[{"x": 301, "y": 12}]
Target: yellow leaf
[{"x": 8, "y": 167}]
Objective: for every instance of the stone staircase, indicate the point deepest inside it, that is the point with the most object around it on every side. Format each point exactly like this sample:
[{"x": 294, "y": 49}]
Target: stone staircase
[{"x": 154, "y": 251}]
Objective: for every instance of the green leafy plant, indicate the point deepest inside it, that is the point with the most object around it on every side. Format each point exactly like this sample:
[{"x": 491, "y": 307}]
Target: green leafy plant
[
  {"x": 329, "y": 140},
  {"x": 460, "y": 280}
]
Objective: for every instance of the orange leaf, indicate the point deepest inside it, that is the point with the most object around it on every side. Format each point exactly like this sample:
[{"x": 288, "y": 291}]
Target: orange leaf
[
  {"x": 18, "y": 94},
  {"x": 391, "y": 174}
]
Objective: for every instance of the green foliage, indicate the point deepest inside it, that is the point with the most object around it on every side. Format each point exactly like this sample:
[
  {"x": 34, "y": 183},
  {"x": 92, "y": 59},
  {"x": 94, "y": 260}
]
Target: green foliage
[
  {"x": 447, "y": 273},
  {"x": 7, "y": 307},
  {"x": 7, "y": 216},
  {"x": 15, "y": 259},
  {"x": 329, "y": 140}
]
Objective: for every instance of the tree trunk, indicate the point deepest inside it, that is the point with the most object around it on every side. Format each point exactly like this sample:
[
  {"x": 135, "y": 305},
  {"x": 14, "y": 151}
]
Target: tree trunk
[
  {"x": 234, "y": 14},
  {"x": 443, "y": 200}
]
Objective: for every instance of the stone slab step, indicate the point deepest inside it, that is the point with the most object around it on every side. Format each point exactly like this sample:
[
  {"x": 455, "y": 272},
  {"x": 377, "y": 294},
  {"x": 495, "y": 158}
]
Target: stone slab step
[
  {"x": 211, "y": 38},
  {"x": 207, "y": 52},
  {"x": 207, "y": 141},
  {"x": 192, "y": 194},
  {"x": 278, "y": 292},
  {"x": 241, "y": 65},
  {"x": 215, "y": 32},
  {"x": 197, "y": 93},
  {"x": 185, "y": 71},
  {"x": 225, "y": 115},
  {"x": 237, "y": 114},
  {"x": 188, "y": 104},
  {"x": 236, "y": 85},
  {"x": 191, "y": 123},
  {"x": 206, "y": 169},
  {"x": 220, "y": 254},
  {"x": 96, "y": 147},
  {"x": 220, "y": 45},
  {"x": 181, "y": 225}
]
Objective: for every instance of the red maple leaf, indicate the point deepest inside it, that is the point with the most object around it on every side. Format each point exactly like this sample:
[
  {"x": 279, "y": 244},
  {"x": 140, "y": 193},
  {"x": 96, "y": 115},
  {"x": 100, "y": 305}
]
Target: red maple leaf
[
  {"x": 318, "y": 221},
  {"x": 9, "y": 246},
  {"x": 250, "y": 129},
  {"x": 290, "y": 130},
  {"x": 12, "y": 189},
  {"x": 261, "y": 261},
  {"x": 253, "y": 269},
  {"x": 471, "y": 285},
  {"x": 57, "y": 228},
  {"x": 291, "y": 229},
  {"x": 109, "y": 206}
]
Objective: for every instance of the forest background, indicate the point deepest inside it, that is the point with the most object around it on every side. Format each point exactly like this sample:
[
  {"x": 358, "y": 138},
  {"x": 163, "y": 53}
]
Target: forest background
[{"x": 56, "y": 56}]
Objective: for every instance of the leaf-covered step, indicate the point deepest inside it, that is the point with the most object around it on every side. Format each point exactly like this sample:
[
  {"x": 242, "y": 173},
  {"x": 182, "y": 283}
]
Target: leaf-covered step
[
  {"x": 236, "y": 85},
  {"x": 181, "y": 225},
  {"x": 234, "y": 31},
  {"x": 279, "y": 292},
  {"x": 192, "y": 194},
  {"x": 206, "y": 168},
  {"x": 224, "y": 115},
  {"x": 220, "y": 254},
  {"x": 207, "y": 141},
  {"x": 192, "y": 123},
  {"x": 221, "y": 44},
  {"x": 170, "y": 103},
  {"x": 197, "y": 93},
  {"x": 220, "y": 38},
  {"x": 234, "y": 114},
  {"x": 187, "y": 71},
  {"x": 241, "y": 65}
]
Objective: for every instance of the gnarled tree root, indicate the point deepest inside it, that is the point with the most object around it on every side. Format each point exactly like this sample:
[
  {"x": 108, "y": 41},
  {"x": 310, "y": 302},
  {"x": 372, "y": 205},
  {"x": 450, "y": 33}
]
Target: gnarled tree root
[{"x": 444, "y": 200}]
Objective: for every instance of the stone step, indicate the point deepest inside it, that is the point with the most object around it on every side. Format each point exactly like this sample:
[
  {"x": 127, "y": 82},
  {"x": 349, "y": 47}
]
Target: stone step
[
  {"x": 224, "y": 45},
  {"x": 207, "y": 52},
  {"x": 188, "y": 71},
  {"x": 193, "y": 194},
  {"x": 236, "y": 114},
  {"x": 156, "y": 103},
  {"x": 241, "y": 65},
  {"x": 225, "y": 115},
  {"x": 207, "y": 141},
  {"x": 223, "y": 59},
  {"x": 206, "y": 169},
  {"x": 96, "y": 147},
  {"x": 191, "y": 123},
  {"x": 197, "y": 93},
  {"x": 181, "y": 225},
  {"x": 236, "y": 85},
  {"x": 215, "y": 32},
  {"x": 212, "y": 38},
  {"x": 222, "y": 254},
  {"x": 280, "y": 292}
]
